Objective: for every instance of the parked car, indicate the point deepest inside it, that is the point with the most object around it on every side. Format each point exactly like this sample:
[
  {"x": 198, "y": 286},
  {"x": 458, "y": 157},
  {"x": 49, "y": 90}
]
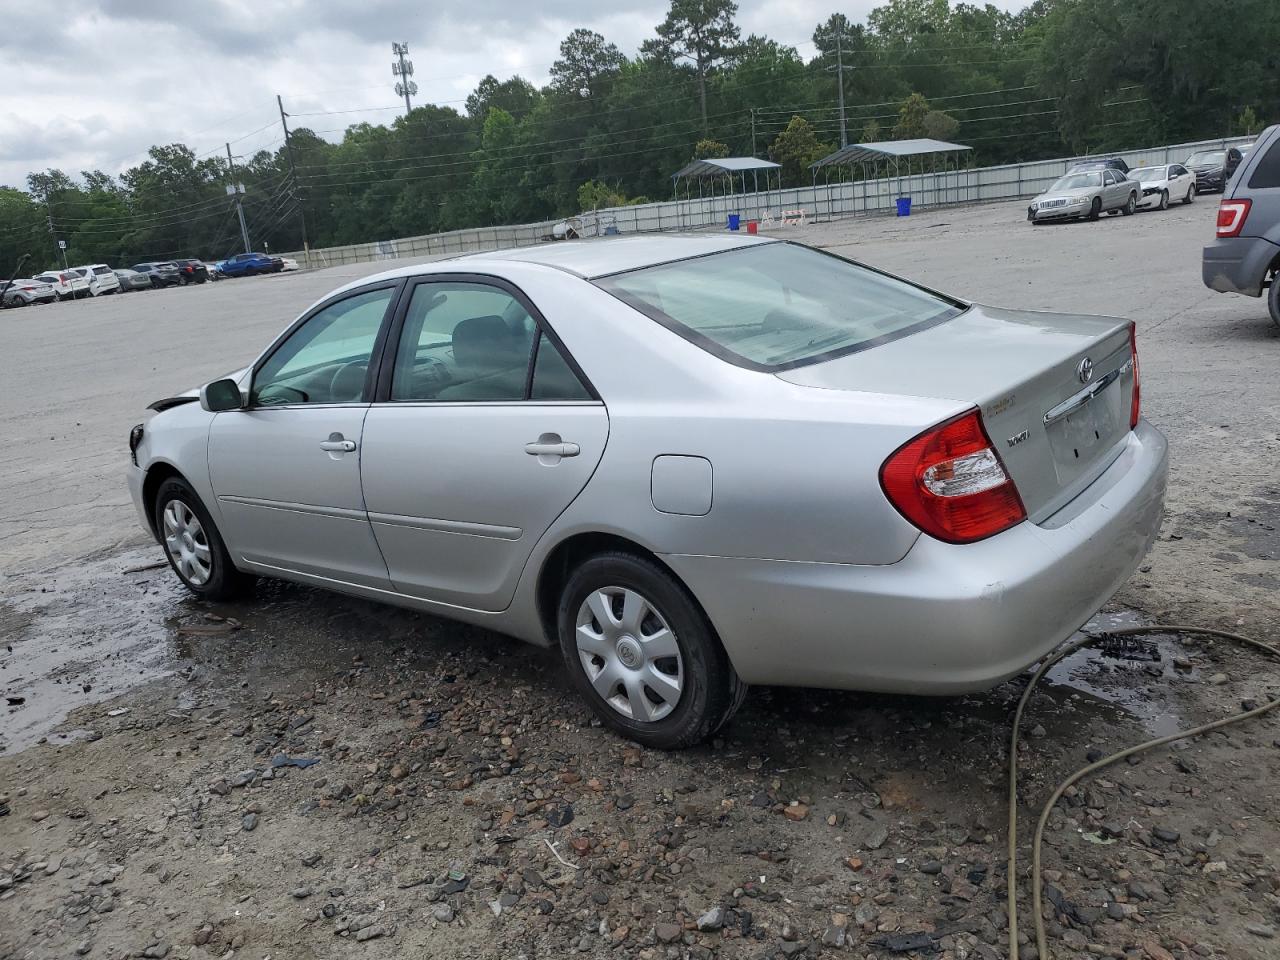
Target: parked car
[
  {"x": 26, "y": 293},
  {"x": 1099, "y": 163},
  {"x": 1163, "y": 184},
  {"x": 1245, "y": 257},
  {"x": 163, "y": 273},
  {"x": 191, "y": 271},
  {"x": 816, "y": 474},
  {"x": 1086, "y": 194},
  {"x": 212, "y": 270},
  {"x": 67, "y": 284},
  {"x": 288, "y": 263},
  {"x": 102, "y": 279},
  {"x": 1213, "y": 168},
  {"x": 249, "y": 264},
  {"x": 132, "y": 280}
]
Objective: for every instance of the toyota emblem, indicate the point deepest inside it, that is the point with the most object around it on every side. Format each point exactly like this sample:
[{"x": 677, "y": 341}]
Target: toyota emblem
[{"x": 1085, "y": 370}]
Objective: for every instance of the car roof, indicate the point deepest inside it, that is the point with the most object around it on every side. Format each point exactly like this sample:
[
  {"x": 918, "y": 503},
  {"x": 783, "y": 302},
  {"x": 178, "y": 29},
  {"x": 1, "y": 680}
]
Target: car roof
[{"x": 589, "y": 259}]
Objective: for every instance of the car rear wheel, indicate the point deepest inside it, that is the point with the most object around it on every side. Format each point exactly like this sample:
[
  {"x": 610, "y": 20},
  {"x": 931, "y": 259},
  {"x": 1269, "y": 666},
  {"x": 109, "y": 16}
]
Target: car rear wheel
[
  {"x": 642, "y": 653},
  {"x": 1273, "y": 298},
  {"x": 1130, "y": 205},
  {"x": 1095, "y": 208},
  {"x": 192, "y": 544}
]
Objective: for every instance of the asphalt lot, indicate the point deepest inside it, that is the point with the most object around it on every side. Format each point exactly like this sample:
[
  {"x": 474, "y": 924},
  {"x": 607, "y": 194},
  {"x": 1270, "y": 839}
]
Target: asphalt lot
[{"x": 463, "y": 804}]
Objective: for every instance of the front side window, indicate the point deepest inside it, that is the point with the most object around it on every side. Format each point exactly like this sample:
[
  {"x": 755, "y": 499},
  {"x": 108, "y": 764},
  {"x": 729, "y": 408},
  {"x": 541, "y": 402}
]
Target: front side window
[
  {"x": 326, "y": 360},
  {"x": 778, "y": 306},
  {"x": 466, "y": 342}
]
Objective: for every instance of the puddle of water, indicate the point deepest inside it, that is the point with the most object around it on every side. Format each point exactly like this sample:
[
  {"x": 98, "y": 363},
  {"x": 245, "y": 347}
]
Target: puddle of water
[
  {"x": 80, "y": 635},
  {"x": 1142, "y": 689}
]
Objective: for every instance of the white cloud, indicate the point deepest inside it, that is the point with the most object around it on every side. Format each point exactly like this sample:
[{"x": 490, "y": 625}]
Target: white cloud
[{"x": 95, "y": 87}]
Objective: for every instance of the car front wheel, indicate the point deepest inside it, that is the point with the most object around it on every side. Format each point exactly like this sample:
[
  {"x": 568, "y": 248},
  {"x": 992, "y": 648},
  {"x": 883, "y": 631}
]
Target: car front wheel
[
  {"x": 1273, "y": 298},
  {"x": 193, "y": 545},
  {"x": 1130, "y": 205},
  {"x": 1191, "y": 194},
  {"x": 642, "y": 653},
  {"x": 1164, "y": 199},
  {"x": 1095, "y": 208}
]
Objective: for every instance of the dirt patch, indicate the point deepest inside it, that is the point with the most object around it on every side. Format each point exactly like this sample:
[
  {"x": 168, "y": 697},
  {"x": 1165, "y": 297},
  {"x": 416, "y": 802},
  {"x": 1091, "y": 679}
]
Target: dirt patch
[{"x": 305, "y": 775}]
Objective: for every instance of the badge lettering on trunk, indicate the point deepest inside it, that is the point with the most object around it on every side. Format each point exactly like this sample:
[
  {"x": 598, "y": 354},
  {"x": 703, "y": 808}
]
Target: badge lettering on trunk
[{"x": 1017, "y": 438}]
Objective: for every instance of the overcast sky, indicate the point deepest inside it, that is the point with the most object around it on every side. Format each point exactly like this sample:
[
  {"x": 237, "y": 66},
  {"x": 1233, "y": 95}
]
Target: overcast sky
[{"x": 96, "y": 84}]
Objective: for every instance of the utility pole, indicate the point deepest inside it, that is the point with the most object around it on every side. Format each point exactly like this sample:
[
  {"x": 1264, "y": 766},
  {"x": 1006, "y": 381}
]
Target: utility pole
[
  {"x": 403, "y": 69},
  {"x": 293, "y": 171},
  {"x": 753, "y": 131},
  {"x": 839, "y": 70},
  {"x": 237, "y": 190}
]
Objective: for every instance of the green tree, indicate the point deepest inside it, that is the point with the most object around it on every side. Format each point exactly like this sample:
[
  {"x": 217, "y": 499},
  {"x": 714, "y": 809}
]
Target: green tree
[
  {"x": 911, "y": 116},
  {"x": 795, "y": 149},
  {"x": 516, "y": 96},
  {"x": 585, "y": 59},
  {"x": 701, "y": 31},
  {"x": 871, "y": 131},
  {"x": 940, "y": 126},
  {"x": 708, "y": 149}
]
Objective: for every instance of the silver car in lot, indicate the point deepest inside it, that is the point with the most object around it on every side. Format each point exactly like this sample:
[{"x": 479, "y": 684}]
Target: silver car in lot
[
  {"x": 1086, "y": 194},
  {"x": 691, "y": 463}
]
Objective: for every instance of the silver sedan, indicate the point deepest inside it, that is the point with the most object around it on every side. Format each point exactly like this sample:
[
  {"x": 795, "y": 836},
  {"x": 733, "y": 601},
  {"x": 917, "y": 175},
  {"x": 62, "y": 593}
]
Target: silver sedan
[
  {"x": 1086, "y": 194},
  {"x": 691, "y": 463}
]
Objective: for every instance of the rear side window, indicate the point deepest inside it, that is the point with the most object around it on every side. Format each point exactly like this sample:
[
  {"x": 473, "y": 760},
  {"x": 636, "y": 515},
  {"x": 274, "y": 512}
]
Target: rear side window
[
  {"x": 778, "y": 305},
  {"x": 1267, "y": 172}
]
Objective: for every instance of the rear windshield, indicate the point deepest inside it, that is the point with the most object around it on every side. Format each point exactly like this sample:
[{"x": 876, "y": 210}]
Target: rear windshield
[
  {"x": 1213, "y": 156},
  {"x": 779, "y": 305}
]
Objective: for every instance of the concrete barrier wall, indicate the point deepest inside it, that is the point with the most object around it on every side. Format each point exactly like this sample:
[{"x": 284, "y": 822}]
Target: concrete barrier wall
[{"x": 821, "y": 201}]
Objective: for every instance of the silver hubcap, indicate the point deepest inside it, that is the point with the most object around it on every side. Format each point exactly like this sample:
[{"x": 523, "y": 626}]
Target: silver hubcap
[
  {"x": 186, "y": 543},
  {"x": 629, "y": 654}
]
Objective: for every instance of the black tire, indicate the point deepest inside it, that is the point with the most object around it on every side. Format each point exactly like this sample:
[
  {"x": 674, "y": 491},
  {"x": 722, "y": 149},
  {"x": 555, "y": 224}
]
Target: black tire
[
  {"x": 1191, "y": 194},
  {"x": 224, "y": 581},
  {"x": 1130, "y": 205},
  {"x": 1095, "y": 208},
  {"x": 1273, "y": 298},
  {"x": 711, "y": 691},
  {"x": 1164, "y": 199}
]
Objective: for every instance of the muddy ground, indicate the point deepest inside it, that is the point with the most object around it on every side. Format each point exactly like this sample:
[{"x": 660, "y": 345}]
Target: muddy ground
[{"x": 307, "y": 776}]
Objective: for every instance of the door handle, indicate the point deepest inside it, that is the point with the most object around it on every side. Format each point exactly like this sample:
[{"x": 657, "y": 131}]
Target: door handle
[
  {"x": 545, "y": 449},
  {"x": 336, "y": 444}
]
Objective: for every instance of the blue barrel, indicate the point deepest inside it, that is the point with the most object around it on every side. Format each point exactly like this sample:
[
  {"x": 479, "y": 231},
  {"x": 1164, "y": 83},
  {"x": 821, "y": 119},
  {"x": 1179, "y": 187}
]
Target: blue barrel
[
  {"x": 904, "y": 206},
  {"x": 734, "y": 221}
]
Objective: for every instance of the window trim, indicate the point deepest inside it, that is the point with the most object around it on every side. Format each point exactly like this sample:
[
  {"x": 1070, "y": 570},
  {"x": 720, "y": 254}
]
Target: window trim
[
  {"x": 391, "y": 345},
  {"x": 720, "y": 352},
  {"x": 396, "y": 286}
]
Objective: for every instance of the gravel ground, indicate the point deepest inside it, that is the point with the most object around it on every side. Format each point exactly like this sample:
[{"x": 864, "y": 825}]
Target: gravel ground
[{"x": 309, "y": 776}]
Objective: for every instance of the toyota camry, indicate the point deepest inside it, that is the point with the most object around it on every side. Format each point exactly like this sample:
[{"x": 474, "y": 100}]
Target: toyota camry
[{"x": 690, "y": 464}]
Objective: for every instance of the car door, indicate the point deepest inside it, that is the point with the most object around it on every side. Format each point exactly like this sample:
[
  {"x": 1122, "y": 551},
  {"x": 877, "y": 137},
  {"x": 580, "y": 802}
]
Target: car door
[
  {"x": 483, "y": 433},
  {"x": 286, "y": 468}
]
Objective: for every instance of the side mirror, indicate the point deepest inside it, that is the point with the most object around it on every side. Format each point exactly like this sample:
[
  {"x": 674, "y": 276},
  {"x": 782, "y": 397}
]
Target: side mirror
[{"x": 221, "y": 395}]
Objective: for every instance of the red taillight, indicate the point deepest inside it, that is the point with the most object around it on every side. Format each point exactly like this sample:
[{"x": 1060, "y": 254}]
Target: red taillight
[
  {"x": 1231, "y": 216},
  {"x": 1135, "y": 406},
  {"x": 951, "y": 483}
]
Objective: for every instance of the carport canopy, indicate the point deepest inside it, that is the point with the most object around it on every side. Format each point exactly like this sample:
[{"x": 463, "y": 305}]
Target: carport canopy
[
  {"x": 725, "y": 166},
  {"x": 886, "y": 150}
]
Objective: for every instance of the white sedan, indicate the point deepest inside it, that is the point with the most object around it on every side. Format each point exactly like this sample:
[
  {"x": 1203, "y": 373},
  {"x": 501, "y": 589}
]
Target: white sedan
[{"x": 1163, "y": 185}]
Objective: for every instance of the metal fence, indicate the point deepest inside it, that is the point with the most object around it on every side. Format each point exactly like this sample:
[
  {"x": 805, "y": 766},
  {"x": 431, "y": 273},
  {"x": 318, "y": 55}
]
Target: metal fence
[{"x": 821, "y": 201}]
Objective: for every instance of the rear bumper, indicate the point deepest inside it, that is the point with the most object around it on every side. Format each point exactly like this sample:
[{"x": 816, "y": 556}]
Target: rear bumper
[
  {"x": 945, "y": 619},
  {"x": 1238, "y": 264}
]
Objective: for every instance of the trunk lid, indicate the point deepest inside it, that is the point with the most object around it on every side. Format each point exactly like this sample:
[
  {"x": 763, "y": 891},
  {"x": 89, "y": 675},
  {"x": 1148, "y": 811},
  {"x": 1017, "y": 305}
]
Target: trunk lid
[{"x": 1055, "y": 429}]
